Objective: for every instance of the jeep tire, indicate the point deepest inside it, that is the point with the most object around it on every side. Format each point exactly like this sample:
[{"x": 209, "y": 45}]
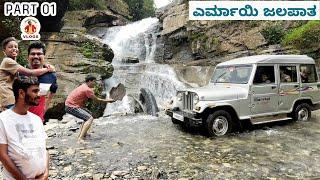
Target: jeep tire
[
  {"x": 301, "y": 112},
  {"x": 174, "y": 121},
  {"x": 219, "y": 123}
]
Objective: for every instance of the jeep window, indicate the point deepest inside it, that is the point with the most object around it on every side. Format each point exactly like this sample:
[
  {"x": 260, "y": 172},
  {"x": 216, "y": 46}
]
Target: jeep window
[
  {"x": 288, "y": 74},
  {"x": 237, "y": 74},
  {"x": 308, "y": 73},
  {"x": 264, "y": 75}
]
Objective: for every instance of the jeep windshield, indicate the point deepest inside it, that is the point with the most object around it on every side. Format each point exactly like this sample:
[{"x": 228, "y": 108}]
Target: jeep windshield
[{"x": 237, "y": 74}]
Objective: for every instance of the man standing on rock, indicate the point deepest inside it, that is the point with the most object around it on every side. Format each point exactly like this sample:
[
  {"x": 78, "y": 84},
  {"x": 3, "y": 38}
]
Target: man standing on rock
[
  {"x": 76, "y": 100},
  {"x": 22, "y": 136},
  {"x": 48, "y": 81}
]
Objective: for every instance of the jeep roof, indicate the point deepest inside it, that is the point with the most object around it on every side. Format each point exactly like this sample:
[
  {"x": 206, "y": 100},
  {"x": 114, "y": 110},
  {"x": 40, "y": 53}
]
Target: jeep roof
[{"x": 270, "y": 59}]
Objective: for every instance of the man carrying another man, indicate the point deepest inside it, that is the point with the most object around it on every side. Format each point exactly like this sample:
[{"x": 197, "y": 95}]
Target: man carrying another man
[
  {"x": 76, "y": 100},
  {"x": 36, "y": 53}
]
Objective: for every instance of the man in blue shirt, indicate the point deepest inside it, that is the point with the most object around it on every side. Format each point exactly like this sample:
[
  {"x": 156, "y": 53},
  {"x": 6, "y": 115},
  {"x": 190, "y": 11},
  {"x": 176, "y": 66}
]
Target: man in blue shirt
[{"x": 48, "y": 81}]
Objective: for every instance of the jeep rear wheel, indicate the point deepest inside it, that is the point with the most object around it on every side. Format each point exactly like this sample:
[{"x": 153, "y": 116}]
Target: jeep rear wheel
[
  {"x": 219, "y": 123},
  {"x": 302, "y": 112}
]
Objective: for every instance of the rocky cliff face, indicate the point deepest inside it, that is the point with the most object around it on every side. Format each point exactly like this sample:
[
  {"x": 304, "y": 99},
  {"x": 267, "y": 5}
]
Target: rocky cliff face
[
  {"x": 209, "y": 42},
  {"x": 66, "y": 52},
  {"x": 75, "y": 54}
]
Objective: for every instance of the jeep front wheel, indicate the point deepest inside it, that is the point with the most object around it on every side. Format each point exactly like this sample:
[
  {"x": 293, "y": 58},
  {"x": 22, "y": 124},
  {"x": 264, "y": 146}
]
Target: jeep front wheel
[
  {"x": 219, "y": 123},
  {"x": 174, "y": 121},
  {"x": 302, "y": 112}
]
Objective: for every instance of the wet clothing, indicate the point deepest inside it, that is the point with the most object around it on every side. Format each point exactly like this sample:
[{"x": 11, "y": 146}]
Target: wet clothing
[
  {"x": 47, "y": 78},
  {"x": 26, "y": 140},
  {"x": 8, "y": 69}
]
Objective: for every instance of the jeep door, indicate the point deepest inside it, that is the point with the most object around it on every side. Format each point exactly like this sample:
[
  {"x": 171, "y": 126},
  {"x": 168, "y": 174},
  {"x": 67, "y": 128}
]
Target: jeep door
[
  {"x": 309, "y": 82},
  {"x": 289, "y": 86},
  {"x": 264, "y": 90}
]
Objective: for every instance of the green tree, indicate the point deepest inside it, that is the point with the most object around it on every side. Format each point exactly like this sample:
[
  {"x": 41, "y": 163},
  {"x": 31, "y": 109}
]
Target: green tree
[{"x": 141, "y": 9}]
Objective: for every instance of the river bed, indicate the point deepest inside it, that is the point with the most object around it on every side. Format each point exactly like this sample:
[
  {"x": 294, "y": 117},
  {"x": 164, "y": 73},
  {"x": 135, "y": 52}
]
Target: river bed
[{"x": 147, "y": 147}]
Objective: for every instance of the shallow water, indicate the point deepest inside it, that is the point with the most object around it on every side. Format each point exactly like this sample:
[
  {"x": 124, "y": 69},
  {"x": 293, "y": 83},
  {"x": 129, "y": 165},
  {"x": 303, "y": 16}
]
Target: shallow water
[{"x": 280, "y": 151}]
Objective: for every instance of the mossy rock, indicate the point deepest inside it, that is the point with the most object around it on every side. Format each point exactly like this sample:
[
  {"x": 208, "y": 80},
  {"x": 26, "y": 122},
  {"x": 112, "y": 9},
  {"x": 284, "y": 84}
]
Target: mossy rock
[{"x": 105, "y": 71}]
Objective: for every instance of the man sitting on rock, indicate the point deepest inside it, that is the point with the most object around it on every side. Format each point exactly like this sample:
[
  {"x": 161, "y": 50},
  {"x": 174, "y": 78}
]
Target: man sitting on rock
[
  {"x": 75, "y": 104},
  {"x": 22, "y": 136}
]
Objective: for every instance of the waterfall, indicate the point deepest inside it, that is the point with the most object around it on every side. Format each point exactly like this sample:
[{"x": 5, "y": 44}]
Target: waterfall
[
  {"x": 133, "y": 40},
  {"x": 138, "y": 40}
]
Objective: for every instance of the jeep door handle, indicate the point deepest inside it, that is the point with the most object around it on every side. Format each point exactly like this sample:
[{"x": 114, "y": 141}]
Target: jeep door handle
[
  {"x": 296, "y": 86},
  {"x": 273, "y": 87}
]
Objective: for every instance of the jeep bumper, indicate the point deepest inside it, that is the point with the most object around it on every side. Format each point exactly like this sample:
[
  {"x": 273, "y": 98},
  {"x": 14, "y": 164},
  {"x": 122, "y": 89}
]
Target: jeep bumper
[{"x": 189, "y": 118}]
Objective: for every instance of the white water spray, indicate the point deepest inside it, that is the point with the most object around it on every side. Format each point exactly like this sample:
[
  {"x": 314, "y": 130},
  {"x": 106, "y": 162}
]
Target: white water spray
[{"x": 132, "y": 40}]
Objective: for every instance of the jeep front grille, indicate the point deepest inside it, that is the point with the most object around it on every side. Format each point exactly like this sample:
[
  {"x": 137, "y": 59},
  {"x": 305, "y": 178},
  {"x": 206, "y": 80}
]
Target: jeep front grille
[{"x": 188, "y": 101}]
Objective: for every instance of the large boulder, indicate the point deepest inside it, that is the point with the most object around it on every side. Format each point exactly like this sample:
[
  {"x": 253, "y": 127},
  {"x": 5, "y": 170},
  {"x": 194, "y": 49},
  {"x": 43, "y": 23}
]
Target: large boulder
[
  {"x": 118, "y": 7},
  {"x": 53, "y": 23},
  {"x": 175, "y": 19},
  {"x": 84, "y": 20}
]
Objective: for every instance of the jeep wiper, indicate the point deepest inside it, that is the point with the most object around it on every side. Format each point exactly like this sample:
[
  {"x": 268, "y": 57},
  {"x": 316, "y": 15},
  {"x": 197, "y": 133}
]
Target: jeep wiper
[{"x": 219, "y": 77}]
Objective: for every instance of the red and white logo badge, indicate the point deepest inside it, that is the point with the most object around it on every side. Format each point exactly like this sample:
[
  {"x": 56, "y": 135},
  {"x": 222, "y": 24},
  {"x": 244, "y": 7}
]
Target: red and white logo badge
[{"x": 30, "y": 28}]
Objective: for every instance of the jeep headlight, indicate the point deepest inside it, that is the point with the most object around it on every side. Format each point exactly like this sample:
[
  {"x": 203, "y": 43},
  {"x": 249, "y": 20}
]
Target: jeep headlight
[
  {"x": 179, "y": 96},
  {"x": 195, "y": 99}
]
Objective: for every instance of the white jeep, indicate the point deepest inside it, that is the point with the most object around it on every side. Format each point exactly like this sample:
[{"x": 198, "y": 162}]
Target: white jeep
[{"x": 261, "y": 89}]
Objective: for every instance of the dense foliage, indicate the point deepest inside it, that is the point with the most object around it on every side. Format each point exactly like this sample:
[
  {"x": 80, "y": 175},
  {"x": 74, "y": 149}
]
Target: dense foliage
[
  {"x": 273, "y": 34},
  {"x": 88, "y": 49},
  {"x": 87, "y": 4},
  {"x": 140, "y": 9},
  {"x": 305, "y": 37}
]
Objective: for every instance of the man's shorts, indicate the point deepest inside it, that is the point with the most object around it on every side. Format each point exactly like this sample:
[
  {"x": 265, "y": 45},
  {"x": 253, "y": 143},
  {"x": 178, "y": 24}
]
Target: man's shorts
[{"x": 79, "y": 113}]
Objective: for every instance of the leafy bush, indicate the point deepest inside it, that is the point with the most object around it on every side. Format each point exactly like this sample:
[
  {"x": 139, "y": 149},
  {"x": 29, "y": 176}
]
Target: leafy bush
[
  {"x": 87, "y": 4},
  {"x": 9, "y": 26},
  {"x": 140, "y": 9},
  {"x": 304, "y": 37},
  {"x": 87, "y": 49},
  {"x": 23, "y": 55},
  {"x": 273, "y": 34}
]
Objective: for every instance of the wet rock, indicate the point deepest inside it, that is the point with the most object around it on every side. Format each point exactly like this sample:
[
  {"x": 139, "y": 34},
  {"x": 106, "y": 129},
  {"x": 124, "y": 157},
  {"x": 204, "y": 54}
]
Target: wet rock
[
  {"x": 84, "y": 175},
  {"x": 53, "y": 152},
  {"x": 113, "y": 177},
  {"x": 120, "y": 173},
  {"x": 68, "y": 168},
  {"x": 53, "y": 173},
  {"x": 162, "y": 175},
  {"x": 142, "y": 168},
  {"x": 70, "y": 151},
  {"x": 226, "y": 165},
  {"x": 97, "y": 176},
  {"x": 130, "y": 60},
  {"x": 50, "y": 147}
]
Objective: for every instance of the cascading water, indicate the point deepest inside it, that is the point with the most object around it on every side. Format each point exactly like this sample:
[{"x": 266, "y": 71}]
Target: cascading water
[
  {"x": 138, "y": 40},
  {"x": 132, "y": 40}
]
